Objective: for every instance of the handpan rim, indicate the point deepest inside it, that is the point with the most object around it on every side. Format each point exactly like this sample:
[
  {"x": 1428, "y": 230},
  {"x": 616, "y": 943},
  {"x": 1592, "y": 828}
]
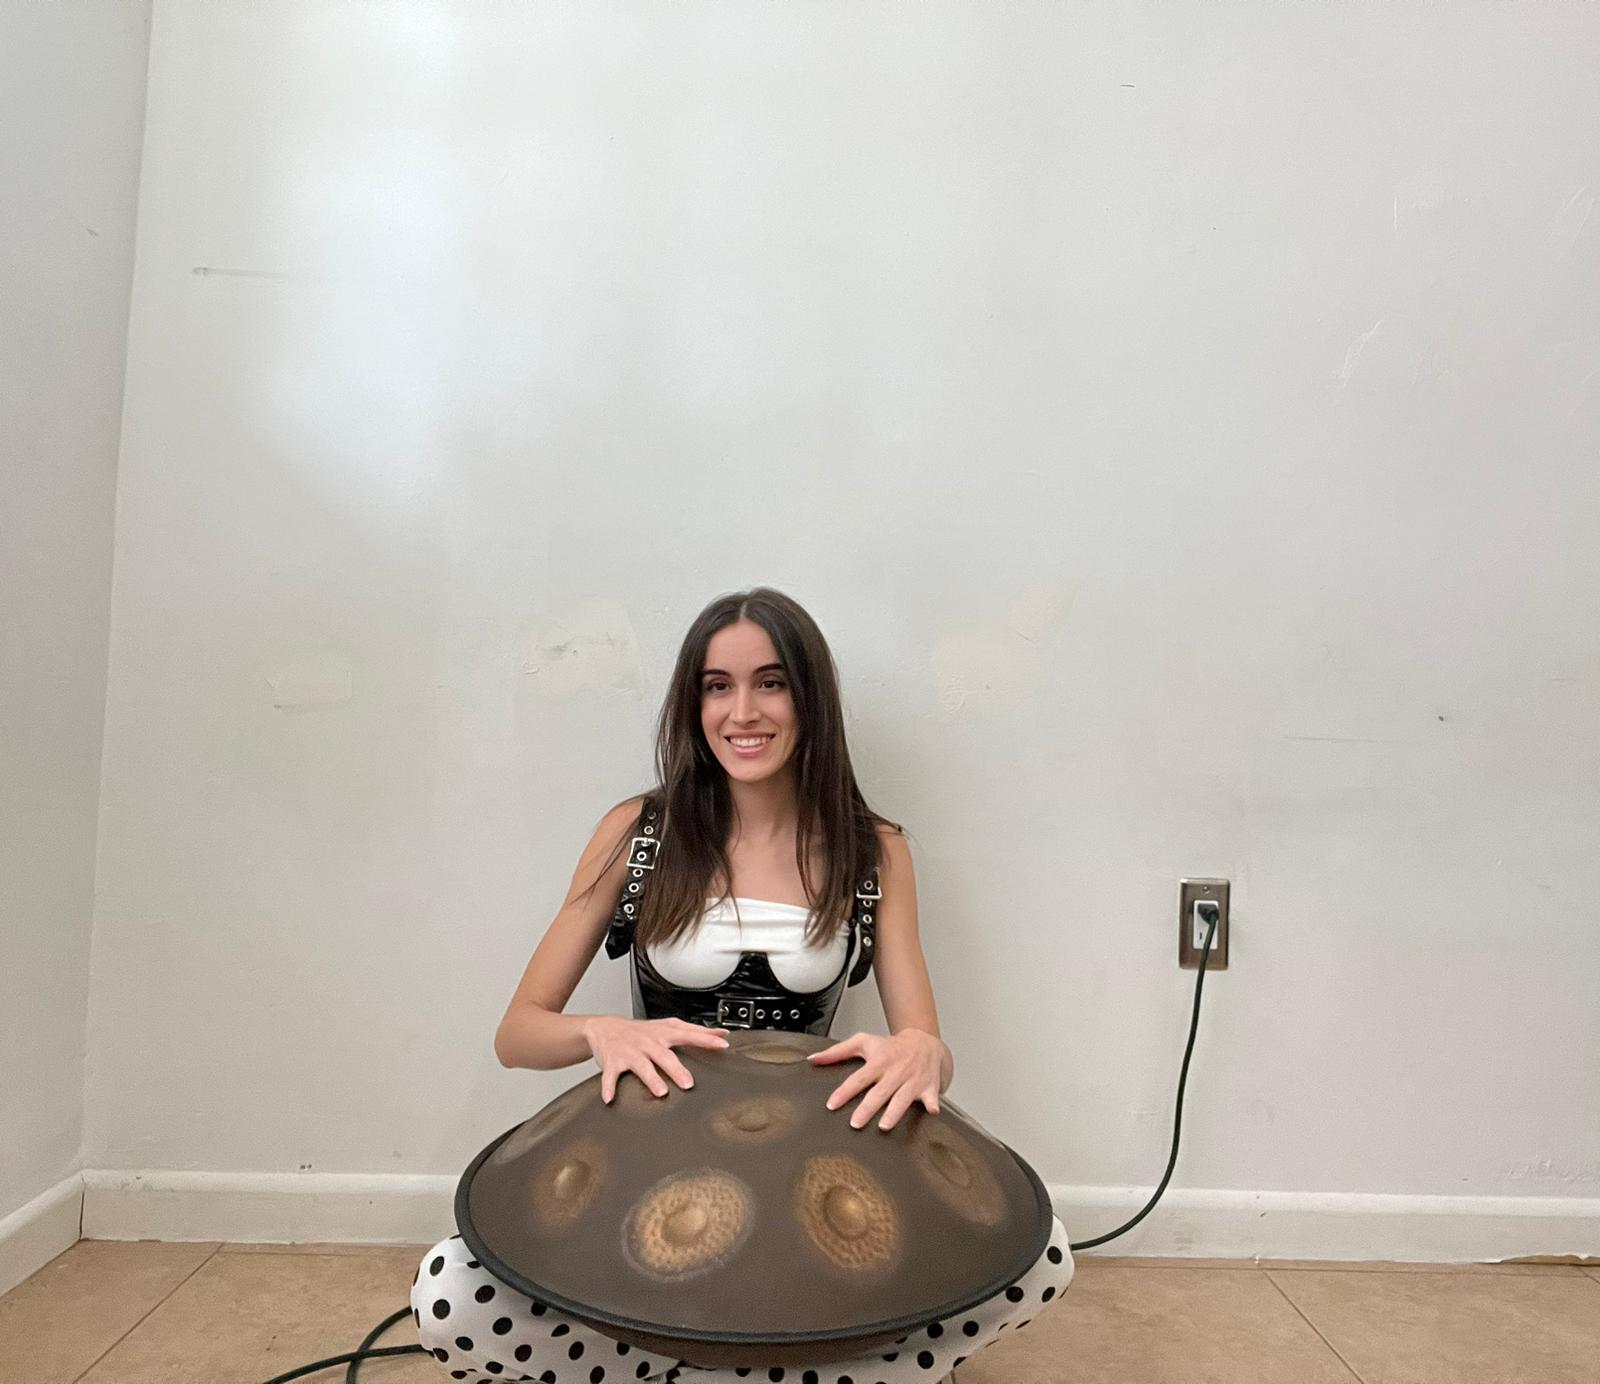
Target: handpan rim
[{"x": 596, "y": 1317}]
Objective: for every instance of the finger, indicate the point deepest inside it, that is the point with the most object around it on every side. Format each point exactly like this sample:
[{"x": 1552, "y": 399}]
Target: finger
[
  {"x": 870, "y": 1104},
  {"x": 930, "y": 1100},
  {"x": 846, "y": 1090},
  {"x": 608, "y": 1084},
  {"x": 701, "y": 1038},
  {"x": 675, "y": 1069},
  {"x": 901, "y": 1101},
  {"x": 850, "y": 1047},
  {"x": 648, "y": 1074}
]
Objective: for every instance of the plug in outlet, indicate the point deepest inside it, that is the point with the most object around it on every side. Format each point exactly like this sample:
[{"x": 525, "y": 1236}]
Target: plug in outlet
[{"x": 1194, "y": 921}]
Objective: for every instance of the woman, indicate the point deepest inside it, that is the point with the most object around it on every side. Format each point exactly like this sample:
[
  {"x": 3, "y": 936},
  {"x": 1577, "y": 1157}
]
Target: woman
[{"x": 808, "y": 888}]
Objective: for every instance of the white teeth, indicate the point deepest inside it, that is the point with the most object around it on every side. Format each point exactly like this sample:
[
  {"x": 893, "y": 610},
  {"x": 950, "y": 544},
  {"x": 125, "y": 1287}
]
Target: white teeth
[{"x": 750, "y": 742}]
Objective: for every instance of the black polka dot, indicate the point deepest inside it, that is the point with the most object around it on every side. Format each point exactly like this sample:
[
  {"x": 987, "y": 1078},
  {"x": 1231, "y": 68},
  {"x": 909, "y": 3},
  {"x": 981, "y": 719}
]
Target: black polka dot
[
  {"x": 1053, "y": 1255},
  {"x": 440, "y": 1354},
  {"x": 494, "y": 1366},
  {"x": 417, "y": 1317},
  {"x": 741, "y": 1370},
  {"x": 538, "y": 1308},
  {"x": 775, "y": 1373},
  {"x": 892, "y": 1355},
  {"x": 623, "y": 1347},
  {"x": 560, "y": 1329},
  {"x": 484, "y": 1293},
  {"x": 522, "y": 1353},
  {"x": 1013, "y": 1293},
  {"x": 463, "y": 1343},
  {"x": 1020, "y": 1325},
  {"x": 458, "y": 1374},
  {"x": 644, "y": 1369},
  {"x": 809, "y": 1377},
  {"x": 501, "y": 1326},
  {"x": 441, "y": 1309},
  {"x": 473, "y": 1264},
  {"x": 597, "y": 1374},
  {"x": 437, "y": 1265},
  {"x": 935, "y": 1330},
  {"x": 925, "y": 1359},
  {"x": 575, "y": 1350},
  {"x": 844, "y": 1379},
  {"x": 1047, "y": 1294},
  {"x": 969, "y": 1328},
  {"x": 548, "y": 1377}
]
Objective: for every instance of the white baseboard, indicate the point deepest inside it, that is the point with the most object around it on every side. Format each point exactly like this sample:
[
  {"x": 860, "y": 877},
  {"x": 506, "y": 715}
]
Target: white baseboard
[
  {"x": 277, "y": 1208},
  {"x": 32, "y": 1235},
  {"x": 358, "y": 1208},
  {"x": 1333, "y": 1226}
]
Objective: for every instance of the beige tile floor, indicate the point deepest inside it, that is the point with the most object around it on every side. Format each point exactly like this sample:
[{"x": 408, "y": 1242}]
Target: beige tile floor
[{"x": 149, "y": 1313}]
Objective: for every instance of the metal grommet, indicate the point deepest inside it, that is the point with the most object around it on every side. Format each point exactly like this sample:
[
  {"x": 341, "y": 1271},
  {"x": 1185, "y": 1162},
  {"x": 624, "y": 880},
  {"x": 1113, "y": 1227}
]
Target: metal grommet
[
  {"x": 627, "y": 908},
  {"x": 866, "y": 917},
  {"x": 633, "y": 888},
  {"x": 649, "y": 831},
  {"x": 761, "y": 1013},
  {"x": 794, "y": 1013}
]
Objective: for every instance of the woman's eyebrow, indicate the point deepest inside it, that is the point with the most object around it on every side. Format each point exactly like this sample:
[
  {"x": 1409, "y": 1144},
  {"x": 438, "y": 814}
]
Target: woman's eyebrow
[{"x": 764, "y": 668}]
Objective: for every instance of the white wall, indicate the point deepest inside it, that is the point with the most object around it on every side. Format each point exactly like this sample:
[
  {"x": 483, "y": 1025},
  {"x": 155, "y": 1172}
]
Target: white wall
[
  {"x": 71, "y": 104},
  {"x": 1180, "y": 417}
]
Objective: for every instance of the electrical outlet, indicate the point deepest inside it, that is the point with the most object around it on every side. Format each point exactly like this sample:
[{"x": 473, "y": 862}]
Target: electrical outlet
[{"x": 1192, "y": 929}]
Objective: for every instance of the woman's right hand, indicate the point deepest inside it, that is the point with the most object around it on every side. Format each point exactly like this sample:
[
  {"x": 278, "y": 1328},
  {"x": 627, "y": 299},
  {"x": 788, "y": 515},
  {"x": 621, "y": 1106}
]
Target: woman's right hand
[{"x": 641, "y": 1045}]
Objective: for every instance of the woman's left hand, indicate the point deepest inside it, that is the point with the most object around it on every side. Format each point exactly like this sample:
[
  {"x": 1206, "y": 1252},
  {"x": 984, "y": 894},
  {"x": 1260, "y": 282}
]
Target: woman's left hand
[{"x": 900, "y": 1070}]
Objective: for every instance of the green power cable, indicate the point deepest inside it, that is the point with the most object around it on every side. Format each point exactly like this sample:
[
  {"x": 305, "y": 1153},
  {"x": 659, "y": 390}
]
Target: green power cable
[
  {"x": 1214, "y": 913},
  {"x": 1207, "y": 908},
  {"x": 354, "y": 1358}
]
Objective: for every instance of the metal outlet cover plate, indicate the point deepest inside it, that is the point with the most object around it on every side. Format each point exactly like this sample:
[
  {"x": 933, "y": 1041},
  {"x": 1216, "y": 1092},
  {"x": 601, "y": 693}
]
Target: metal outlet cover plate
[{"x": 1190, "y": 891}]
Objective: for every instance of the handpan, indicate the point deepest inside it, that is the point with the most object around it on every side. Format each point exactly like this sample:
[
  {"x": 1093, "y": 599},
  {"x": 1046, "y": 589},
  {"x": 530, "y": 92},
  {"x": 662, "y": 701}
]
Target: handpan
[{"x": 741, "y": 1222}]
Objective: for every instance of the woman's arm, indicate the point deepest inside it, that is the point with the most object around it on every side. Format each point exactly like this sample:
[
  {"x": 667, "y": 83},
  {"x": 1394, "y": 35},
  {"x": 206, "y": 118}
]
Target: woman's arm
[
  {"x": 902, "y": 973},
  {"x": 534, "y": 1032},
  {"x": 914, "y": 1063}
]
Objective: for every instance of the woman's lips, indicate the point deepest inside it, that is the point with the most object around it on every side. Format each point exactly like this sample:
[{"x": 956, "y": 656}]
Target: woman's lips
[{"x": 750, "y": 752}]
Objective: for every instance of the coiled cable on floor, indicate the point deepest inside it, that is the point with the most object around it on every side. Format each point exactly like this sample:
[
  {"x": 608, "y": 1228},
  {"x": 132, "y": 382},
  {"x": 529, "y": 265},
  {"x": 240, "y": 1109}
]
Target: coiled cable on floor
[
  {"x": 1209, "y": 909},
  {"x": 1205, "y": 907}
]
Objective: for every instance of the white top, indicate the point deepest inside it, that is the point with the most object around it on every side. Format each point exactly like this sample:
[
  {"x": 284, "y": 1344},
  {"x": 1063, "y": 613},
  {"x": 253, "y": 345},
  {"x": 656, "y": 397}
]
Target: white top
[{"x": 709, "y": 953}]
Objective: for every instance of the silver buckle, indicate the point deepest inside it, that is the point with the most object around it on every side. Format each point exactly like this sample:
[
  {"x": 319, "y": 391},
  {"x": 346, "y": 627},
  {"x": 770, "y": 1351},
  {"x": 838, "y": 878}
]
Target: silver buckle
[
  {"x": 873, "y": 890},
  {"x": 735, "y": 1013},
  {"x": 638, "y": 861}
]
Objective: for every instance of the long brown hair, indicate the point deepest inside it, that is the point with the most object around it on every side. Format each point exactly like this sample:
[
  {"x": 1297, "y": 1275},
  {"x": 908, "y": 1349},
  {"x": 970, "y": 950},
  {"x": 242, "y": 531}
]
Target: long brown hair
[{"x": 691, "y": 791}]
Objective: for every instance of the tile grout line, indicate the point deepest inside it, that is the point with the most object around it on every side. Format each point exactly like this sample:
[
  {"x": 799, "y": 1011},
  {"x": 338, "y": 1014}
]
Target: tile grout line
[
  {"x": 142, "y": 1320},
  {"x": 1354, "y": 1373}
]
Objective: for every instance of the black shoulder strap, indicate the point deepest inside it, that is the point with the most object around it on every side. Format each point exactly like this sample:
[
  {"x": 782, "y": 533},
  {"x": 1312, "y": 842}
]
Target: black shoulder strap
[
  {"x": 641, "y": 857},
  {"x": 867, "y": 897}
]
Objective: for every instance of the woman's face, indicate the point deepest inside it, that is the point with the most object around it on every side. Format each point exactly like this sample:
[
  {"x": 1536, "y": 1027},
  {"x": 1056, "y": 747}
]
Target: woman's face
[{"x": 744, "y": 696}]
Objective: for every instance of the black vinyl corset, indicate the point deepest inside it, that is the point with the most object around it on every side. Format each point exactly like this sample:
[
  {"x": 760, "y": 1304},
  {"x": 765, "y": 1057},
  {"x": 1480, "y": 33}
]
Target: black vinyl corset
[{"x": 752, "y": 997}]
